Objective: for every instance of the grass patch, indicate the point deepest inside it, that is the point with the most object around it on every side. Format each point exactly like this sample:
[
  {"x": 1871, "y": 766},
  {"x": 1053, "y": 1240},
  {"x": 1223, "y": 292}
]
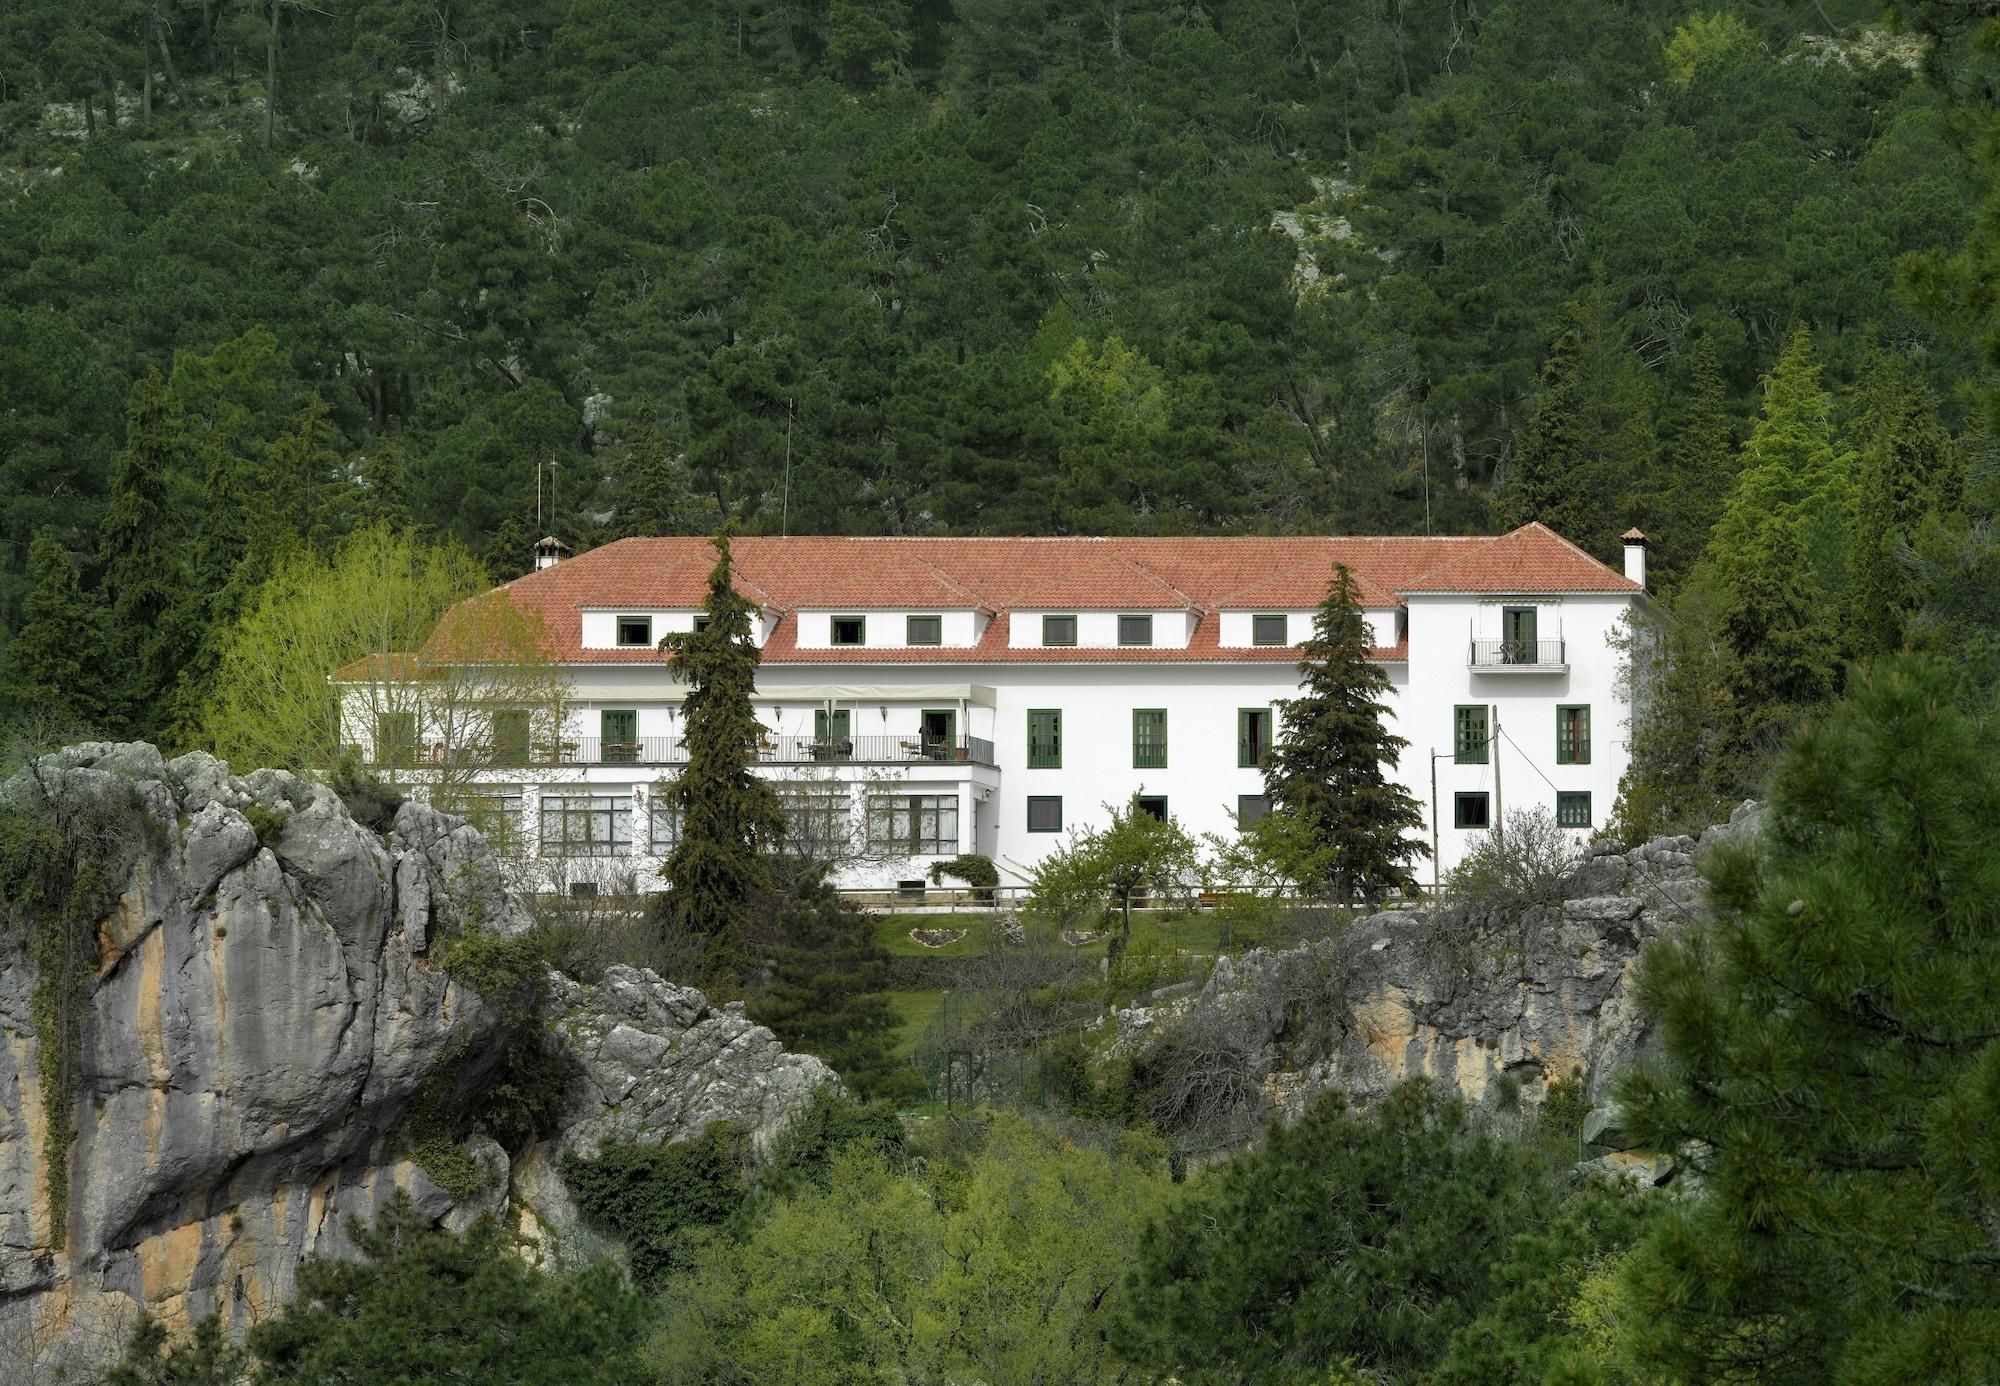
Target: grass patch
[{"x": 914, "y": 1012}]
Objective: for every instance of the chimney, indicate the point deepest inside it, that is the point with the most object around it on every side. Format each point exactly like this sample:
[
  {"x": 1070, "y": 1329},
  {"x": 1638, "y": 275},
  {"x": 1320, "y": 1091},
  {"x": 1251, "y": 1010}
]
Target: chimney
[
  {"x": 1635, "y": 555},
  {"x": 549, "y": 551}
]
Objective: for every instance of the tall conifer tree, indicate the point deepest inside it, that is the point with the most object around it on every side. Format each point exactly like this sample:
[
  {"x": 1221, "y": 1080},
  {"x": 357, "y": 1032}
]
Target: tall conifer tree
[
  {"x": 1700, "y": 471},
  {"x": 1832, "y": 1066},
  {"x": 146, "y": 543},
  {"x": 1328, "y": 767},
  {"x": 728, "y": 816},
  {"x": 51, "y": 664},
  {"x": 1910, "y": 471}
]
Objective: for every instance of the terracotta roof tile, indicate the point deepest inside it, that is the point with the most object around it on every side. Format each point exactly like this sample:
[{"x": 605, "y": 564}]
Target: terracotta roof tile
[
  {"x": 786, "y": 575},
  {"x": 1533, "y": 558}
]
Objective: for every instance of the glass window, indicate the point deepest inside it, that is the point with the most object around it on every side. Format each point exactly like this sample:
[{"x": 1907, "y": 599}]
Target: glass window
[
  {"x": 1572, "y": 810},
  {"x": 815, "y": 820},
  {"x": 1135, "y": 630},
  {"x": 1470, "y": 811},
  {"x": 914, "y": 824},
  {"x": 1044, "y": 738},
  {"x": 1044, "y": 813},
  {"x": 510, "y": 737},
  {"x": 848, "y": 630},
  {"x": 1253, "y": 735},
  {"x": 496, "y": 811},
  {"x": 1149, "y": 738},
  {"x": 926, "y": 630},
  {"x": 1251, "y": 809},
  {"x": 1469, "y": 734},
  {"x": 701, "y": 620},
  {"x": 587, "y": 825},
  {"x": 635, "y": 630},
  {"x": 1271, "y": 629},
  {"x": 1573, "y": 735},
  {"x": 665, "y": 828},
  {"x": 1155, "y": 804},
  {"x": 1058, "y": 630}
]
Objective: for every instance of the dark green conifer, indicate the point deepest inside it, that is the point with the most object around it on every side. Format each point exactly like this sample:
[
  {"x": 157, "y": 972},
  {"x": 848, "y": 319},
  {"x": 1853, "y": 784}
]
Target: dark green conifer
[
  {"x": 1328, "y": 767},
  {"x": 147, "y": 539},
  {"x": 1832, "y": 1065},
  {"x": 51, "y": 666},
  {"x": 728, "y": 816}
]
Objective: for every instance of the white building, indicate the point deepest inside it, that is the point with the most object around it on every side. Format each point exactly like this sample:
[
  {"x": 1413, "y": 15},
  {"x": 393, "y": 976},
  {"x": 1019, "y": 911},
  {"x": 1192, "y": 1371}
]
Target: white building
[{"x": 944, "y": 696}]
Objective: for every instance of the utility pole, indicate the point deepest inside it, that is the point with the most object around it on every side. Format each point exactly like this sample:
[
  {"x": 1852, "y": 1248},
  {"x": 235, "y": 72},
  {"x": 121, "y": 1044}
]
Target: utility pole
[
  {"x": 1434, "y": 820},
  {"x": 785, "y": 508},
  {"x": 1499, "y": 810}
]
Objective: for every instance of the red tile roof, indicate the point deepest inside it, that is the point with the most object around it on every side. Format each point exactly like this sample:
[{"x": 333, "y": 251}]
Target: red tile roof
[
  {"x": 1203, "y": 574},
  {"x": 1533, "y": 558}
]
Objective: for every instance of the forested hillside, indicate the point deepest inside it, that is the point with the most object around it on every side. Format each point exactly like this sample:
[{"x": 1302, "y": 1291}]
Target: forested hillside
[{"x": 993, "y": 266}]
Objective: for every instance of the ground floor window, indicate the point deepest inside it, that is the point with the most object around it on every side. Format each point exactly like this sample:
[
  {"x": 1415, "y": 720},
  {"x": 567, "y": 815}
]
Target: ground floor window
[
  {"x": 816, "y": 820},
  {"x": 1045, "y": 813},
  {"x": 1251, "y": 809},
  {"x": 1573, "y": 810},
  {"x": 587, "y": 825},
  {"x": 1471, "y": 811},
  {"x": 664, "y": 830},
  {"x": 914, "y": 824},
  {"x": 496, "y": 811}
]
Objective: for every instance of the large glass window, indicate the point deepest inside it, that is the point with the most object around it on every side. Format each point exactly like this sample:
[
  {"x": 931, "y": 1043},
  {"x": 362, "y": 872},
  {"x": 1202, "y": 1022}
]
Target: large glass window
[
  {"x": 816, "y": 820},
  {"x": 587, "y": 825},
  {"x": 1058, "y": 630},
  {"x": 1573, "y": 735},
  {"x": 1149, "y": 738},
  {"x": 914, "y": 824},
  {"x": 496, "y": 811},
  {"x": 1044, "y": 738},
  {"x": 1135, "y": 630},
  {"x": 1469, "y": 734}
]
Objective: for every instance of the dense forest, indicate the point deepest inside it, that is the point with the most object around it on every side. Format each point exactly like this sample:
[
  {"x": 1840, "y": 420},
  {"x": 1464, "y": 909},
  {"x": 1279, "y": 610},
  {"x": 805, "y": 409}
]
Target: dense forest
[{"x": 270, "y": 270}]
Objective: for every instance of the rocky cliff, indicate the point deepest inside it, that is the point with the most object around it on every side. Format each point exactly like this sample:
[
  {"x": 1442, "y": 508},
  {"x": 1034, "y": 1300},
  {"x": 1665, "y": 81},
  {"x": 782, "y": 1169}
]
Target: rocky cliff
[
  {"x": 1493, "y": 999},
  {"x": 249, "y": 1009}
]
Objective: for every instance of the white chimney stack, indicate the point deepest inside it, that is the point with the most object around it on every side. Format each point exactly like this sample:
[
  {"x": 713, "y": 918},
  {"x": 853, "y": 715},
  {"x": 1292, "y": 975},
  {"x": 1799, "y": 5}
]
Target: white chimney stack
[
  {"x": 1635, "y": 556},
  {"x": 549, "y": 551}
]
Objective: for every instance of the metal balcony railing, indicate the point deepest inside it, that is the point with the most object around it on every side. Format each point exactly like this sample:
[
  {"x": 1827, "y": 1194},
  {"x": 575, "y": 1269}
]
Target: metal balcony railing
[
  {"x": 672, "y": 750},
  {"x": 1518, "y": 654}
]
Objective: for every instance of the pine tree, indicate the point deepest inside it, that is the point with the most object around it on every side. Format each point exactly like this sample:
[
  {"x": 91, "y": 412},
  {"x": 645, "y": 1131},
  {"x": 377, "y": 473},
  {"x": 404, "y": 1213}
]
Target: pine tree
[
  {"x": 1832, "y": 1072},
  {"x": 51, "y": 666},
  {"x": 728, "y": 815},
  {"x": 825, "y": 994},
  {"x": 1910, "y": 471},
  {"x": 1588, "y": 435},
  {"x": 146, "y": 539},
  {"x": 1698, "y": 477},
  {"x": 1785, "y": 653},
  {"x": 1327, "y": 767},
  {"x": 1793, "y": 472}
]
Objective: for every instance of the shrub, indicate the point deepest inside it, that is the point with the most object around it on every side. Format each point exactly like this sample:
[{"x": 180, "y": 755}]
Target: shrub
[
  {"x": 1523, "y": 866},
  {"x": 663, "y": 1200}
]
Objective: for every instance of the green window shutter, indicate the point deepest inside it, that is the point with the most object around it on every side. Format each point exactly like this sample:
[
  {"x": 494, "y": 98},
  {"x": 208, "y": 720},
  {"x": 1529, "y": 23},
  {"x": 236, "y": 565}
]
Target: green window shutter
[
  {"x": 836, "y": 726},
  {"x": 1045, "y": 738},
  {"x": 1253, "y": 736},
  {"x": 1573, "y": 810},
  {"x": 1469, "y": 734},
  {"x": 510, "y": 737},
  {"x": 1149, "y": 738},
  {"x": 618, "y": 730},
  {"x": 1573, "y": 735}
]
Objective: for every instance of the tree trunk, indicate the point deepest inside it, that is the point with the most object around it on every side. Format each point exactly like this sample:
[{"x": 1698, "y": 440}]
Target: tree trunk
[
  {"x": 146, "y": 91},
  {"x": 111, "y": 103},
  {"x": 271, "y": 78},
  {"x": 89, "y": 117},
  {"x": 167, "y": 60}
]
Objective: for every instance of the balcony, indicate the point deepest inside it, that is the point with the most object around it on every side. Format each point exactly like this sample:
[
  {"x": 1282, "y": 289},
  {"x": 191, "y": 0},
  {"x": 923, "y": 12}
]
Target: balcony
[
  {"x": 1518, "y": 657},
  {"x": 672, "y": 750}
]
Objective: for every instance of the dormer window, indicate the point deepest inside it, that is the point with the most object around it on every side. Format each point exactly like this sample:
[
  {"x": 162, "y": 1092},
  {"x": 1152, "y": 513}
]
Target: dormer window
[
  {"x": 925, "y": 630},
  {"x": 635, "y": 630},
  {"x": 1135, "y": 630},
  {"x": 701, "y": 620},
  {"x": 1058, "y": 630},
  {"x": 1270, "y": 629},
  {"x": 848, "y": 630}
]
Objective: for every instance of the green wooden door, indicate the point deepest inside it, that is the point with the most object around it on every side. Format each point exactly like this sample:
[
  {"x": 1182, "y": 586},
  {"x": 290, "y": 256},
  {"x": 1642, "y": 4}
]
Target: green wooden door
[
  {"x": 618, "y": 733},
  {"x": 1517, "y": 630}
]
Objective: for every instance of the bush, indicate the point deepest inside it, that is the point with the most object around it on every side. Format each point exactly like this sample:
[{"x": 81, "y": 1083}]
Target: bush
[
  {"x": 370, "y": 802},
  {"x": 1521, "y": 867},
  {"x": 664, "y": 1201},
  {"x": 975, "y": 869}
]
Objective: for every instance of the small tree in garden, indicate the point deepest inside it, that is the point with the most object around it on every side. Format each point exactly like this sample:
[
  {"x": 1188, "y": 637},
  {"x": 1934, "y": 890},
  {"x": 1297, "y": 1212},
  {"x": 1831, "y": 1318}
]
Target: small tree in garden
[
  {"x": 728, "y": 816},
  {"x": 1103, "y": 868},
  {"x": 1328, "y": 769}
]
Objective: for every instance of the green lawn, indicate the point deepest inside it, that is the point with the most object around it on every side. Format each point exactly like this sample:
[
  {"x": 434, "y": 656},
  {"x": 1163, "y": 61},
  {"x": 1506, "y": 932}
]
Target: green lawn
[
  {"x": 915, "y": 1009},
  {"x": 1195, "y": 932}
]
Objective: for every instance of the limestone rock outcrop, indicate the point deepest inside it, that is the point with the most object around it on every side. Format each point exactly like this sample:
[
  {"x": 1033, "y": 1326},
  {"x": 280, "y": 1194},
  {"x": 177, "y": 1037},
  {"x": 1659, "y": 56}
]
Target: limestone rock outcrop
[
  {"x": 259, "y": 1011},
  {"x": 1494, "y": 1002}
]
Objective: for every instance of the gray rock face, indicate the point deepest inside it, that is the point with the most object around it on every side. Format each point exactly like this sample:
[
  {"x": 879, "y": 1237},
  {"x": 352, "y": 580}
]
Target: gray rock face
[
  {"x": 259, "y": 1017},
  {"x": 1494, "y": 1003}
]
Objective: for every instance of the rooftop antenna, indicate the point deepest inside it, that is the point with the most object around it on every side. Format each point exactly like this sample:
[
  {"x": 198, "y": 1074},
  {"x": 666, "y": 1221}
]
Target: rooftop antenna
[{"x": 785, "y": 509}]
